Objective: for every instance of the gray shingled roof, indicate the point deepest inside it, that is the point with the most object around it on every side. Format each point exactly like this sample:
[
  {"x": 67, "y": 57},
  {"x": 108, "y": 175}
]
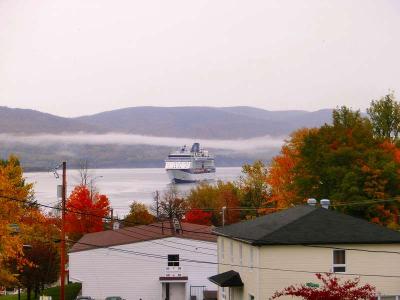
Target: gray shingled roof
[{"x": 308, "y": 225}]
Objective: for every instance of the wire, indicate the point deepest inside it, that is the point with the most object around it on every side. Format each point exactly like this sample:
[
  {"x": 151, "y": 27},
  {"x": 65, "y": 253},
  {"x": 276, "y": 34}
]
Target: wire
[
  {"x": 151, "y": 255},
  {"x": 170, "y": 228},
  {"x": 158, "y": 256}
]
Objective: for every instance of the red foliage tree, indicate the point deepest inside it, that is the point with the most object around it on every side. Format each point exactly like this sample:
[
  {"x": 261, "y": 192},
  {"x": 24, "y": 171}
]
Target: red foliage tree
[
  {"x": 332, "y": 289},
  {"x": 198, "y": 216},
  {"x": 85, "y": 212}
]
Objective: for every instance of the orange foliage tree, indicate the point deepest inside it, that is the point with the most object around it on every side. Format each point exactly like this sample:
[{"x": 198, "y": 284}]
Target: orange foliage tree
[
  {"x": 344, "y": 162},
  {"x": 209, "y": 197},
  {"x": 85, "y": 212},
  {"x": 14, "y": 194},
  {"x": 282, "y": 170}
]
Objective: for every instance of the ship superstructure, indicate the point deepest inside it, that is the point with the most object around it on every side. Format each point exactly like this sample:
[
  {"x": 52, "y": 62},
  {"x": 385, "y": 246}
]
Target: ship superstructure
[{"x": 184, "y": 165}]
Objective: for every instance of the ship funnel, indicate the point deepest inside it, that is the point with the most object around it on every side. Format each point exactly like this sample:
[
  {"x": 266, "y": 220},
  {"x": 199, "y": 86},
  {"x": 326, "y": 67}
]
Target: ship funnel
[{"x": 195, "y": 147}]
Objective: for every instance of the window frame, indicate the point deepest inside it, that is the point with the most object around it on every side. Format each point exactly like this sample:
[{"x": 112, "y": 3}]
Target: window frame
[
  {"x": 337, "y": 265},
  {"x": 171, "y": 262}
]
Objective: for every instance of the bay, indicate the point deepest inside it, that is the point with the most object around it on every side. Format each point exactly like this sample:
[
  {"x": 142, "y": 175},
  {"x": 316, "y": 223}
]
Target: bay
[{"x": 122, "y": 186}]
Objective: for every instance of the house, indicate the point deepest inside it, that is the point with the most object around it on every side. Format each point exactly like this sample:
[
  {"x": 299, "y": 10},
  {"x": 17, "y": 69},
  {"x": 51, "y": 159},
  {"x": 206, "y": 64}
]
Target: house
[
  {"x": 148, "y": 262},
  {"x": 256, "y": 258}
]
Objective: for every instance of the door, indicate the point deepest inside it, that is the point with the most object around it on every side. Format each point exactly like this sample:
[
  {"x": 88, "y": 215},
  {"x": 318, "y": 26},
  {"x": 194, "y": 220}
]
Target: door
[{"x": 177, "y": 291}]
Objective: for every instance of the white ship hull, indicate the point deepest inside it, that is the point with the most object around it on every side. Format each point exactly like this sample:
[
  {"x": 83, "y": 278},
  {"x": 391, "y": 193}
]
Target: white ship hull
[{"x": 185, "y": 176}]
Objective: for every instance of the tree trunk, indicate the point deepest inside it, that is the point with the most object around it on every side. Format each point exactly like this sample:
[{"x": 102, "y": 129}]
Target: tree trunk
[
  {"x": 36, "y": 291},
  {"x": 28, "y": 292}
]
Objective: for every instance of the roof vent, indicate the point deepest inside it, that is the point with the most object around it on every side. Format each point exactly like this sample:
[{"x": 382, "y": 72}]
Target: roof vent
[
  {"x": 311, "y": 202},
  {"x": 325, "y": 203}
]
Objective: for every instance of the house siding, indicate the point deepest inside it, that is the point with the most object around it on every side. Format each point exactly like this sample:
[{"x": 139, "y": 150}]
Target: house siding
[
  {"x": 104, "y": 272},
  {"x": 263, "y": 283}
]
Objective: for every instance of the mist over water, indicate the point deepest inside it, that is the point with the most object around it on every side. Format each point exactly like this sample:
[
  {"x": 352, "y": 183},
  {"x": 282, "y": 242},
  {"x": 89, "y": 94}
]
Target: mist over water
[
  {"x": 238, "y": 145},
  {"x": 122, "y": 186}
]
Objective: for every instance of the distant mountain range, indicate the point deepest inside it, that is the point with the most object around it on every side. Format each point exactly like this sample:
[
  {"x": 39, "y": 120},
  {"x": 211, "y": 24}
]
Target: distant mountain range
[
  {"x": 180, "y": 122},
  {"x": 193, "y": 122}
]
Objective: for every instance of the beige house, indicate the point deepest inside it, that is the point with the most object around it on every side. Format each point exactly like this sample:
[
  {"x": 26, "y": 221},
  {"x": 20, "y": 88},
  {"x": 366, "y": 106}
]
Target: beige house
[{"x": 259, "y": 257}]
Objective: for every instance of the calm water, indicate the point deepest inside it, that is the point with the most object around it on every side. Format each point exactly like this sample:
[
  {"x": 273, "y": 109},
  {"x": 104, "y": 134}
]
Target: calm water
[{"x": 122, "y": 186}]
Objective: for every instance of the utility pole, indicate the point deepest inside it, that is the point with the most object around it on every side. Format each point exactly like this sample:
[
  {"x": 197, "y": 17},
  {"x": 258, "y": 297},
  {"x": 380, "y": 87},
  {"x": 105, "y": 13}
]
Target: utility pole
[
  {"x": 223, "y": 215},
  {"x": 112, "y": 218},
  {"x": 64, "y": 192}
]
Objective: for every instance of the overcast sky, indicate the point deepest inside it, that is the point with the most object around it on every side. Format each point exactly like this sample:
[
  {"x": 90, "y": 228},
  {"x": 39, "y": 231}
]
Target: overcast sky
[{"x": 75, "y": 57}]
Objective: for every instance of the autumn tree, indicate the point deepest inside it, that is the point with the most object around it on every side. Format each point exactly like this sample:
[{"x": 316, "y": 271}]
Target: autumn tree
[
  {"x": 343, "y": 161},
  {"x": 85, "y": 212},
  {"x": 385, "y": 117},
  {"x": 198, "y": 216},
  {"x": 15, "y": 196},
  {"x": 213, "y": 197},
  {"x": 171, "y": 204},
  {"x": 138, "y": 215},
  {"x": 282, "y": 171},
  {"x": 331, "y": 288},
  {"x": 253, "y": 187},
  {"x": 45, "y": 259}
]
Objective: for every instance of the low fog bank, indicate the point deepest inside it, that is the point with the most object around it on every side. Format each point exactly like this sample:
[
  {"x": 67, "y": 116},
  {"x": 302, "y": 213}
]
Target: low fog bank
[{"x": 237, "y": 145}]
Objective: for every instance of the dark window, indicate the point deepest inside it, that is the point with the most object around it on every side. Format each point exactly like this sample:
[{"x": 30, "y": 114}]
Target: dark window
[
  {"x": 339, "y": 257},
  {"x": 339, "y": 261},
  {"x": 173, "y": 260},
  {"x": 339, "y": 269}
]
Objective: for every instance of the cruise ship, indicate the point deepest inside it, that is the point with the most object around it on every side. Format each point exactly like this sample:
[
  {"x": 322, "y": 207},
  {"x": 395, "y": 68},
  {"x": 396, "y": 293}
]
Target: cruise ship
[{"x": 184, "y": 166}]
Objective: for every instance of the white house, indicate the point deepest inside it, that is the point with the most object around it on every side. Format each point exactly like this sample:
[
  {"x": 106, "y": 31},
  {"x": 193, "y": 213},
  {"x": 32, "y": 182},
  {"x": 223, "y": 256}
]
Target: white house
[
  {"x": 265, "y": 255},
  {"x": 148, "y": 262}
]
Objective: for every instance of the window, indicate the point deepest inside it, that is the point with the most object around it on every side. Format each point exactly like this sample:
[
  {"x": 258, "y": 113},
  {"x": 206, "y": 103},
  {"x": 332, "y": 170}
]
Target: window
[
  {"x": 251, "y": 297},
  {"x": 173, "y": 260},
  {"x": 231, "y": 251},
  {"x": 241, "y": 254},
  {"x": 339, "y": 261}
]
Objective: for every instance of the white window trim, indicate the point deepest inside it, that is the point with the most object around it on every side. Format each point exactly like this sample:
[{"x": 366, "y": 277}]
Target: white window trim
[
  {"x": 231, "y": 251},
  {"x": 240, "y": 254},
  {"x": 223, "y": 293},
  {"x": 251, "y": 259},
  {"x": 222, "y": 249},
  {"x": 339, "y": 265}
]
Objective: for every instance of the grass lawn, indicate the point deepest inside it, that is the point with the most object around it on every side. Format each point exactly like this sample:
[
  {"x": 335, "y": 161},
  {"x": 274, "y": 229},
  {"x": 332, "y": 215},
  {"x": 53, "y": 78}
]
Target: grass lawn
[{"x": 71, "y": 291}]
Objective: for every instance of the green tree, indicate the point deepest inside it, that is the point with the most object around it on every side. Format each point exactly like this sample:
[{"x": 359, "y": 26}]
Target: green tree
[
  {"x": 385, "y": 117},
  {"x": 253, "y": 187},
  {"x": 347, "y": 163},
  {"x": 138, "y": 215}
]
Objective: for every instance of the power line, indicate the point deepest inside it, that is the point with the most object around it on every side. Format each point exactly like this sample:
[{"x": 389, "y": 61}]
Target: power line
[
  {"x": 170, "y": 228},
  {"x": 158, "y": 256}
]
